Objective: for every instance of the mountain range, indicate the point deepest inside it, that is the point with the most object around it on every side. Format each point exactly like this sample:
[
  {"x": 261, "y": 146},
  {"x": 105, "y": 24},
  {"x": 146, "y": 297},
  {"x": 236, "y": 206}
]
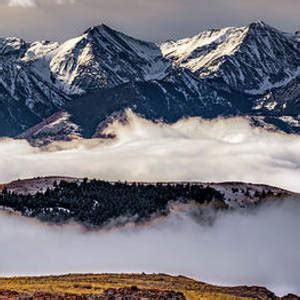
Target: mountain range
[{"x": 51, "y": 90}]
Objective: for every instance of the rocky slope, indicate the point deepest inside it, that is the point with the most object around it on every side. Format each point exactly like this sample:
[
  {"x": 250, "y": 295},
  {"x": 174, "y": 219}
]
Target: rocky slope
[
  {"x": 132, "y": 293},
  {"x": 252, "y": 70}
]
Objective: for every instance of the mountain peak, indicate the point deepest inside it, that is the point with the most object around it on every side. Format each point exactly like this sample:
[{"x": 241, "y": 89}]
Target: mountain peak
[
  {"x": 260, "y": 25},
  {"x": 12, "y": 46},
  {"x": 247, "y": 58},
  {"x": 99, "y": 28}
]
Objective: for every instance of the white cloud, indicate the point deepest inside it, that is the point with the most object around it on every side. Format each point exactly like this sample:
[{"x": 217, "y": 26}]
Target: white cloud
[
  {"x": 23, "y": 3},
  {"x": 218, "y": 150},
  {"x": 262, "y": 250},
  {"x": 34, "y": 3}
]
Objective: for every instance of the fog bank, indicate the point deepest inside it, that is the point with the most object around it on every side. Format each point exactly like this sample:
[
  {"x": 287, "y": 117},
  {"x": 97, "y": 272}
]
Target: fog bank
[
  {"x": 190, "y": 150},
  {"x": 257, "y": 249}
]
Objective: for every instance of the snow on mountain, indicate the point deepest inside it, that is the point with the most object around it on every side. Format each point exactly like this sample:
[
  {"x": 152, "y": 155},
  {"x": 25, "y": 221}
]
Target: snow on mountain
[
  {"x": 11, "y": 46},
  {"x": 35, "y": 185},
  {"x": 25, "y": 97},
  {"x": 232, "y": 71},
  {"x": 198, "y": 51},
  {"x": 178, "y": 95},
  {"x": 252, "y": 59},
  {"x": 38, "y": 56},
  {"x": 104, "y": 58},
  {"x": 297, "y": 36},
  {"x": 99, "y": 58},
  {"x": 241, "y": 195},
  {"x": 37, "y": 79},
  {"x": 56, "y": 127},
  {"x": 282, "y": 100}
]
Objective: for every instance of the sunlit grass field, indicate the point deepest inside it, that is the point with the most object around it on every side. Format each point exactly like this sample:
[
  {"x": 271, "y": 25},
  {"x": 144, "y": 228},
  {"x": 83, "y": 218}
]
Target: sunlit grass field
[{"x": 90, "y": 284}]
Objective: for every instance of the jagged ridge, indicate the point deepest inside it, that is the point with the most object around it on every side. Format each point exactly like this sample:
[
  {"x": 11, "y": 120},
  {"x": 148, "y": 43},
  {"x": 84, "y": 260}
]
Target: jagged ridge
[{"x": 251, "y": 70}]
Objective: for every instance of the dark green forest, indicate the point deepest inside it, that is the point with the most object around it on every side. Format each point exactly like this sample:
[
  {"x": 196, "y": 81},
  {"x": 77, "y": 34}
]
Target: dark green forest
[{"x": 96, "y": 203}]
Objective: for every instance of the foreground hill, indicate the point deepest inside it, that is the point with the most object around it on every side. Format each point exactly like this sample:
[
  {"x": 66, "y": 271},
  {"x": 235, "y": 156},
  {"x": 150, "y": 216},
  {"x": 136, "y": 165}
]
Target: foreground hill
[
  {"x": 252, "y": 70},
  {"x": 122, "y": 286},
  {"x": 105, "y": 204}
]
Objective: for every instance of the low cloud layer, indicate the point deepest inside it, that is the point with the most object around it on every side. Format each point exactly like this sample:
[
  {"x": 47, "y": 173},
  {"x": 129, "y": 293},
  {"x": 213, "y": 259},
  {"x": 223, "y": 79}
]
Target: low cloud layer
[
  {"x": 262, "y": 250},
  {"x": 190, "y": 150}
]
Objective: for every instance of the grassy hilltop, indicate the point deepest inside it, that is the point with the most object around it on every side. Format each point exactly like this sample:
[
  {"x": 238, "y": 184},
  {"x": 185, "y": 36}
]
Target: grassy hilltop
[{"x": 91, "y": 284}]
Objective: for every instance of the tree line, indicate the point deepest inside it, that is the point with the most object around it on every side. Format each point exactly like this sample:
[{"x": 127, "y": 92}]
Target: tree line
[{"x": 96, "y": 202}]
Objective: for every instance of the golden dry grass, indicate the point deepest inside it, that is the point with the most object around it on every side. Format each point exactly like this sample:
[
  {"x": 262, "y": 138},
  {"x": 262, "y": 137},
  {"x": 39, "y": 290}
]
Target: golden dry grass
[{"x": 95, "y": 284}]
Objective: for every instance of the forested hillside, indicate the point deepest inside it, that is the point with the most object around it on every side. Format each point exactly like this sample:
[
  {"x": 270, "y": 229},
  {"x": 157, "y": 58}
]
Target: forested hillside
[{"x": 97, "y": 202}]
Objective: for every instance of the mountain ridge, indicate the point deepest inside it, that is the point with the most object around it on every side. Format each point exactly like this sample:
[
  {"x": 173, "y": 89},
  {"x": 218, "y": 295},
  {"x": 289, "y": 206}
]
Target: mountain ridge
[
  {"x": 233, "y": 42},
  {"x": 246, "y": 71}
]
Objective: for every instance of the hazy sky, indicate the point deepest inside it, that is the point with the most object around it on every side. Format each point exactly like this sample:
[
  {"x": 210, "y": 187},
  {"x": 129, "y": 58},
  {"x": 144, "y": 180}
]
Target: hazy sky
[{"x": 148, "y": 19}]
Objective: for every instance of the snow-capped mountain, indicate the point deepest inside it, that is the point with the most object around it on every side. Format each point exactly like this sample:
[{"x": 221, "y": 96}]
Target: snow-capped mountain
[
  {"x": 251, "y": 70},
  {"x": 25, "y": 97},
  {"x": 12, "y": 47},
  {"x": 37, "y": 79},
  {"x": 252, "y": 59},
  {"x": 104, "y": 58},
  {"x": 99, "y": 58}
]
